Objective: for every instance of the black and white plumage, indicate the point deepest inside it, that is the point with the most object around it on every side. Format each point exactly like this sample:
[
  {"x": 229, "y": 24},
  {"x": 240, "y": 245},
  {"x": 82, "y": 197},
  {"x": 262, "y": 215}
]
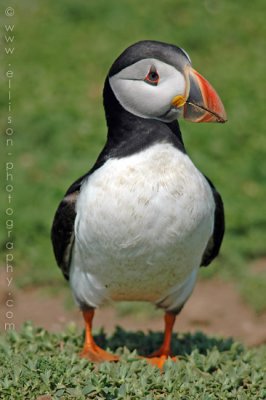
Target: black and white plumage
[{"x": 143, "y": 220}]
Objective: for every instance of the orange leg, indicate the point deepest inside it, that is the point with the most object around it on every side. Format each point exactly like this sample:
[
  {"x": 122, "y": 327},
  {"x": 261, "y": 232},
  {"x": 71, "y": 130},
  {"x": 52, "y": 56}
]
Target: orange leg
[
  {"x": 159, "y": 356},
  {"x": 91, "y": 350}
]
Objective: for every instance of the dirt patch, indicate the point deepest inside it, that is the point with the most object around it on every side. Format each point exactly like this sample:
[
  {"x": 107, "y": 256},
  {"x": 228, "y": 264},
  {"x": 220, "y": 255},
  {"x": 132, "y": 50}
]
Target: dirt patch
[{"x": 215, "y": 308}]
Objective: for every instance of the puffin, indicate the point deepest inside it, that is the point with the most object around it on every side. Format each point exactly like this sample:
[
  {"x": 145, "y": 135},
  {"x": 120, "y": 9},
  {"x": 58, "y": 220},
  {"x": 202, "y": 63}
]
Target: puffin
[{"x": 143, "y": 220}]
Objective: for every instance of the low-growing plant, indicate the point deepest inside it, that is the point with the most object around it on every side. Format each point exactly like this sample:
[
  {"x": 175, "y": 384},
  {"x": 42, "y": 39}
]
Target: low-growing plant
[{"x": 36, "y": 364}]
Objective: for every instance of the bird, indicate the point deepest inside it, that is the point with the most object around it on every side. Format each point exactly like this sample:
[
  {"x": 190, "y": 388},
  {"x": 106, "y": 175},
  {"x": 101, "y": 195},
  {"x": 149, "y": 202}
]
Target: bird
[{"x": 144, "y": 219}]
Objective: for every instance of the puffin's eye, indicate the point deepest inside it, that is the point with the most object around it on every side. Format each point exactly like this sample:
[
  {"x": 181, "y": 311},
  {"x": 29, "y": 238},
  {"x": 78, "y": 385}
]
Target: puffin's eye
[{"x": 152, "y": 77}]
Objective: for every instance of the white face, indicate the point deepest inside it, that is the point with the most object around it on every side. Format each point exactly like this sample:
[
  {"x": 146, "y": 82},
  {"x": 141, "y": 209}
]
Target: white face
[{"x": 146, "y": 98}]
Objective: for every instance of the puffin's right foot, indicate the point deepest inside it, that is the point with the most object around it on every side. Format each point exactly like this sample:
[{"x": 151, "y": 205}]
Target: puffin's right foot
[{"x": 91, "y": 350}]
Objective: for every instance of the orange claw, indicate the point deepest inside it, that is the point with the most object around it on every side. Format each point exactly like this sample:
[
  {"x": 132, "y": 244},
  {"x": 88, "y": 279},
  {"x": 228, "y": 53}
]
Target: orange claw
[
  {"x": 159, "y": 361},
  {"x": 91, "y": 350}
]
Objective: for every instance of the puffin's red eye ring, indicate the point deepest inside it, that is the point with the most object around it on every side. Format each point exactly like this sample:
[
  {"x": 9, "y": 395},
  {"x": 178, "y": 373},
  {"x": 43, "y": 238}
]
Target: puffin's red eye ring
[{"x": 152, "y": 77}]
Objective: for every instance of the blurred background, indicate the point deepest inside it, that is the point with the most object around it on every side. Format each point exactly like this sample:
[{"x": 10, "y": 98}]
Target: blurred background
[{"x": 63, "y": 51}]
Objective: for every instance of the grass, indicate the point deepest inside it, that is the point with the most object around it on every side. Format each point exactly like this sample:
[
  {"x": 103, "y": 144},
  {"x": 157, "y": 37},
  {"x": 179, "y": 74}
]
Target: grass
[
  {"x": 37, "y": 363},
  {"x": 63, "y": 52}
]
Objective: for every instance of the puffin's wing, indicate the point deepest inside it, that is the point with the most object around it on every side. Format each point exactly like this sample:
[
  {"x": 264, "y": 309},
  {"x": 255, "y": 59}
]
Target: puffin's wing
[
  {"x": 216, "y": 239},
  {"x": 62, "y": 233}
]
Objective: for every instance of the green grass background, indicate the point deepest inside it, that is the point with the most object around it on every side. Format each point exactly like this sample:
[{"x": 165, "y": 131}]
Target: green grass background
[
  {"x": 63, "y": 50},
  {"x": 35, "y": 362}
]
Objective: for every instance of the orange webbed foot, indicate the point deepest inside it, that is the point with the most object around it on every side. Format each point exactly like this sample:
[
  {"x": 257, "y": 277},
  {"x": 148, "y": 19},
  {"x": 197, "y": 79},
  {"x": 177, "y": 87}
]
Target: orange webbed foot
[
  {"x": 159, "y": 361},
  {"x": 160, "y": 356},
  {"x": 91, "y": 351},
  {"x": 97, "y": 355}
]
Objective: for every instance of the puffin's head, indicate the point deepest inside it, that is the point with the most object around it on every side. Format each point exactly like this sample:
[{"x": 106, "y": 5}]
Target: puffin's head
[{"x": 156, "y": 80}]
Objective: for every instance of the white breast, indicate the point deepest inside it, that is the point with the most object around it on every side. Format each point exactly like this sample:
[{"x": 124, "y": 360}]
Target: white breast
[{"x": 142, "y": 225}]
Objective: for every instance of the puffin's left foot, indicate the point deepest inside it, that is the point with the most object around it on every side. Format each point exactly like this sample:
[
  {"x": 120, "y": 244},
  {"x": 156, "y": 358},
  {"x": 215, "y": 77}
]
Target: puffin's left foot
[
  {"x": 160, "y": 356},
  {"x": 159, "y": 361},
  {"x": 91, "y": 350}
]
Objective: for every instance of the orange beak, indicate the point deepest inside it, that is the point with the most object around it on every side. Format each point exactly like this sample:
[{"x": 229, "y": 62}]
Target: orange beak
[{"x": 203, "y": 103}]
